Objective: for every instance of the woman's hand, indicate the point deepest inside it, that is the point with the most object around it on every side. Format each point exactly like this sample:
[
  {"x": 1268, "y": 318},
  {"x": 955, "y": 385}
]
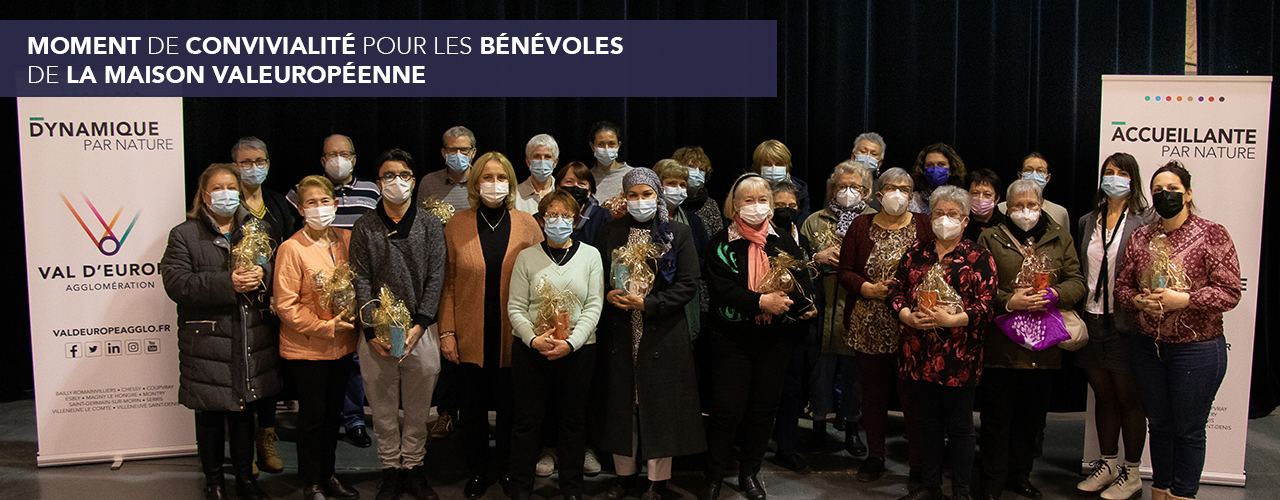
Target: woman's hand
[
  {"x": 1171, "y": 299},
  {"x": 944, "y": 318},
  {"x": 559, "y": 349},
  {"x": 830, "y": 256},
  {"x": 381, "y": 347},
  {"x": 342, "y": 326},
  {"x": 764, "y": 319},
  {"x": 809, "y": 313},
  {"x": 775, "y": 303},
  {"x": 622, "y": 300},
  {"x": 412, "y": 336},
  {"x": 246, "y": 280},
  {"x": 877, "y": 291},
  {"x": 1027, "y": 299},
  {"x": 918, "y": 320},
  {"x": 449, "y": 348}
]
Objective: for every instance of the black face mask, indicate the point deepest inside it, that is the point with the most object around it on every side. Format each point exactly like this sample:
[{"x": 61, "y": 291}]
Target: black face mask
[
  {"x": 784, "y": 217},
  {"x": 579, "y": 194},
  {"x": 1167, "y": 203}
]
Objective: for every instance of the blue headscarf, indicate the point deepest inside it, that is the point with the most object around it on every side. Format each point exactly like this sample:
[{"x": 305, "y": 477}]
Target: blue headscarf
[{"x": 661, "y": 230}]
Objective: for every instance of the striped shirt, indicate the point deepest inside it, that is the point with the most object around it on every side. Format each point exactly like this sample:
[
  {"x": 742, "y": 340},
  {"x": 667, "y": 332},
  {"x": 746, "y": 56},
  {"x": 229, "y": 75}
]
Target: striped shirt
[
  {"x": 439, "y": 185},
  {"x": 354, "y": 199}
]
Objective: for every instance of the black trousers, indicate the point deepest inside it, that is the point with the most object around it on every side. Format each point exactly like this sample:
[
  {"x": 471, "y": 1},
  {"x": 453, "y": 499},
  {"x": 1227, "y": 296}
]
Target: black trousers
[
  {"x": 481, "y": 390},
  {"x": 746, "y": 382},
  {"x": 212, "y": 428},
  {"x": 946, "y": 413},
  {"x": 794, "y": 397},
  {"x": 1014, "y": 406},
  {"x": 539, "y": 385},
  {"x": 320, "y": 388}
]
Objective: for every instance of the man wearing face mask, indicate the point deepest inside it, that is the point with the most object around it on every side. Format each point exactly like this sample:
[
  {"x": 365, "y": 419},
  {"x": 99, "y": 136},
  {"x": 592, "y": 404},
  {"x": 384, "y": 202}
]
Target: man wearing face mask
[
  {"x": 354, "y": 195},
  {"x": 1036, "y": 169},
  {"x": 541, "y": 155},
  {"x": 450, "y": 184},
  {"x": 606, "y": 141}
]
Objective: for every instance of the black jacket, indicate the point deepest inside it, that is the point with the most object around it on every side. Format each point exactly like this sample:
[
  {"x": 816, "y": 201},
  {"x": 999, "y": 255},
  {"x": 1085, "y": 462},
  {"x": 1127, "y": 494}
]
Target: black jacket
[{"x": 733, "y": 304}]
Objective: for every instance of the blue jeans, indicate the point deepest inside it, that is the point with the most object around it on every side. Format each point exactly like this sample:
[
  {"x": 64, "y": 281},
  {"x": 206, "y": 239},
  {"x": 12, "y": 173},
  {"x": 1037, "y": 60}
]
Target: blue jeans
[
  {"x": 831, "y": 374},
  {"x": 1177, "y": 384},
  {"x": 353, "y": 400}
]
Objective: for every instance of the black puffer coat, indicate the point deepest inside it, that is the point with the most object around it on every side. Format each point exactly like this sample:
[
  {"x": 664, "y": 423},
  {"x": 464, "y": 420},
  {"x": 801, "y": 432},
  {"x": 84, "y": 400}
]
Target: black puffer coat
[{"x": 227, "y": 355}]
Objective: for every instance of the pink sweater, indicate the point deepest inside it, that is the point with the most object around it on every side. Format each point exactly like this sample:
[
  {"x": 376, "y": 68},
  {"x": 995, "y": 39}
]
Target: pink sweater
[{"x": 306, "y": 331}]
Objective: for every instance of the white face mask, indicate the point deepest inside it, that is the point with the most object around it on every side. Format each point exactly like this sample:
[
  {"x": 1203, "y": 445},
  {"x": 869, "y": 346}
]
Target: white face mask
[
  {"x": 494, "y": 193},
  {"x": 894, "y": 202},
  {"x": 320, "y": 217},
  {"x": 755, "y": 213},
  {"x": 337, "y": 167},
  {"x": 773, "y": 173},
  {"x": 1025, "y": 219},
  {"x": 848, "y": 197},
  {"x": 397, "y": 191},
  {"x": 947, "y": 228}
]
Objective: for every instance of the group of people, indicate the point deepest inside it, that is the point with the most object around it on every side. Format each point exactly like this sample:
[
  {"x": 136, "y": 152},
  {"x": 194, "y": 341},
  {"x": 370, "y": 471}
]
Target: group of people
[{"x": 680, "y": 326}]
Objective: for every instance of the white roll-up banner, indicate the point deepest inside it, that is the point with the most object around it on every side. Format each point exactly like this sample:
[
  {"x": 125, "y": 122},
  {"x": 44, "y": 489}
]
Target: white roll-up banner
[
  {"x": 102, "y": 184},
  {"x": 1217, "y": 126}
]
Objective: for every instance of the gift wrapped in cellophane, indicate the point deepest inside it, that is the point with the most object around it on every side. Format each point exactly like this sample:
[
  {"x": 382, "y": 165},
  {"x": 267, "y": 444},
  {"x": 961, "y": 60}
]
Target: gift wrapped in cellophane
[
  {"x": 255, "y": 246},
  {"x": 1166, "y": 269},
  {"x": 554, "y": 310},
  {"x": 826, "y": 239},
  {"x": 781, "y": 277},
  {"x": 390, "y": 320},
  {"x": 336, "y": 293},
  {"x": 631, "y": 270},
  {"x": 616, "y": 206},
  {"x": 438, "y": 208},
  {"x": 1037, "y": 269},
  {"x": 934, "y": 291}
]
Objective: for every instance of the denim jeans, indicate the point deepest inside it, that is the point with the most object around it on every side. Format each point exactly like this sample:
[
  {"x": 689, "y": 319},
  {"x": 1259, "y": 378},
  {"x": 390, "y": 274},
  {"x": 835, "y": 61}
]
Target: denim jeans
[
  {"x": 353, "y": 400},
  {"x": 1177, "y": 384},
  {"x": 835, "y": 372}
]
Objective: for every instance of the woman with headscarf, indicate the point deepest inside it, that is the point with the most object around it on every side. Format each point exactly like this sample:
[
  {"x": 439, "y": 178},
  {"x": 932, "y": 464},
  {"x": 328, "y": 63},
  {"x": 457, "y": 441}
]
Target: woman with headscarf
[{"x": 652, "y": 399}]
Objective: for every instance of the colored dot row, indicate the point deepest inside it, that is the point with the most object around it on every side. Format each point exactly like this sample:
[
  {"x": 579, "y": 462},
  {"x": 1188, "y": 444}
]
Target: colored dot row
[{"x": 1189, "y": 98}]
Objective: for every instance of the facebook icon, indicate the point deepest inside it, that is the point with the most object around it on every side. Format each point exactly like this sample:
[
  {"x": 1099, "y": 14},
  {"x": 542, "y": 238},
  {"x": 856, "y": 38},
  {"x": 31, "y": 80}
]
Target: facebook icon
[{"x": 73, "y": 350}]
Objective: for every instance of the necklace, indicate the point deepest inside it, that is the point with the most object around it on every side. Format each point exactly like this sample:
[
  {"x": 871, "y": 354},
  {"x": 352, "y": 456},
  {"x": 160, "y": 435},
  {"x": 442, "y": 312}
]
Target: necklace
[
  {"x": 560, "y": 263},
  {"x": 493, "y": 227}
]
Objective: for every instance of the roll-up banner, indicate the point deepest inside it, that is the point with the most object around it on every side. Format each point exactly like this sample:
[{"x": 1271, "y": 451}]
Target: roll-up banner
[
  {"x": 102, "y": 184},
  {"x": 1217, "y": 126}
]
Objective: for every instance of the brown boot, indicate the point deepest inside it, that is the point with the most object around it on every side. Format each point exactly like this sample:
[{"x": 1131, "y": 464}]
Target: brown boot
[
  {"x": 268, "y": 459},
  {"x": 1159, "y": 494}
]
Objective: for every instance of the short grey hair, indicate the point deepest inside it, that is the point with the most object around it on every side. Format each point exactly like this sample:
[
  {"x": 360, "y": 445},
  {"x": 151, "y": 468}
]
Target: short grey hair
[
  {"x": 870, "y": 136},
  {"x": 952, "y": 194},
  {"x": 544, "y": 140},
  {"x": 1021, "y": 186},
  {"x": 459, "y": 131},
  {"x": 850, "y": 167},
  {"x": 249, "y": 142},
  {"x": 897, "y": 175}
]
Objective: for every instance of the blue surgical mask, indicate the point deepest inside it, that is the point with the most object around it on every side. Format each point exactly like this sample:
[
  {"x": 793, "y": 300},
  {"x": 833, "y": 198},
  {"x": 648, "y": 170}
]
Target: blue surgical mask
[
  {"x": 773, "y": 174},
  {"x": 1115, "y": 186},
  {"x": 606, "y": 156},
  {"x": 1039, "y": 178},
  {"x": 642, "y": 210},
  {"x": 937, "y": 176},
  {"x": 541, "y": 169},
  {"x": 869, "y": 161},
  {"x": 696, "y": 179},
  {"x": 224, "y": 202},
  {"x": 254, "y": 175},
  {"x": 674, "y": 195},
  {"x": 558, "y": 229},
  {"x": 457, "y": 162}
]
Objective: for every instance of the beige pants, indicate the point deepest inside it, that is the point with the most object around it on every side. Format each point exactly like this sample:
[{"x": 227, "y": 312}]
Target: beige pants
[
  {"x": 659, "y": 468},
  {"x": 390, "y": 384}
]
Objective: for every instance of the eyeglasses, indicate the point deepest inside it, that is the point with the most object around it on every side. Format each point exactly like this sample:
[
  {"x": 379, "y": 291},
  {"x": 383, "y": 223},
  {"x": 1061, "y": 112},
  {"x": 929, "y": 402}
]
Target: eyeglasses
[
  {"x": 458, "y": 150},
  {"x": 889, "y": 188},
  {"x": 552, "y": 216},
  {"x": 787, "y": 205},
  {"x": 391, "y": 176},
  {"x": 254, "y": 163},
  {"x": 335, "y": 154}
]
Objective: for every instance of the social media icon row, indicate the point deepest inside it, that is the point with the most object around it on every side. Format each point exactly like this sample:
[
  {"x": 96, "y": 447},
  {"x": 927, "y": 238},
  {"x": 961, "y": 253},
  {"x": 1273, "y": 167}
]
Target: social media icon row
[{"x": 93, "y": 349}]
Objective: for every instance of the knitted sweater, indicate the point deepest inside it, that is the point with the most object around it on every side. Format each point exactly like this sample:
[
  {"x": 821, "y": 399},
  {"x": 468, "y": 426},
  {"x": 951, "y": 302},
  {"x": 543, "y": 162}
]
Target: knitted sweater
[
  {"x": 408, "y": 257},
  {"x": 582, "y": 274}
]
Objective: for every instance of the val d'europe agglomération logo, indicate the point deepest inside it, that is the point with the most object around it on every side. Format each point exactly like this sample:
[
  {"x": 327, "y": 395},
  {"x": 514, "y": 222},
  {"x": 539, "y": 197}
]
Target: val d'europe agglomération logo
[{"x": 109, "y": 244}]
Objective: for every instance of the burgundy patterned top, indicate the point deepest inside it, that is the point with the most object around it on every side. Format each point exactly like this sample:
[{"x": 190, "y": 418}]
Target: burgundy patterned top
[
  {"x": 947, "y": 356},
  {"x": 1206, "y": 252}
]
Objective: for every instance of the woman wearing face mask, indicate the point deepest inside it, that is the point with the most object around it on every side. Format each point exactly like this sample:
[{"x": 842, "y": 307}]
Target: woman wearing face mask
[
  {"x": 869, "y": 256},
  {"x": 651, "y": 410},
  {"x": 700, "y": 200},
  {"x": 552, "y": 375},
  {"x": 1118, "y": 212},
  {"x": 752, "y": 336},
  {"x": 220, "y": 305},
  {"x": 942, "y": 345},
  {"x": 984, "y": 195},
  {"x": 483, "y": 243},
  {"x": 772, "y": 160},
  {"x": 675, "y": 189},
  {"x": 316, "y": 345},
  {"x": 606, "y": 140},
  {"x": 936, "y": 165},
  {"x": 576, "y": 179},
  {"x": 1180, "y": 355},
  {"x": 1016, "y": 380}
]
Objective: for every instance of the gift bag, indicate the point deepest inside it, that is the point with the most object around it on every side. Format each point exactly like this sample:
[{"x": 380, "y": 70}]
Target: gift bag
[
  {"x": 630, "y": 267},
  {"x": 554, "y": 310},
  {"x": 1034, "y": 330}
]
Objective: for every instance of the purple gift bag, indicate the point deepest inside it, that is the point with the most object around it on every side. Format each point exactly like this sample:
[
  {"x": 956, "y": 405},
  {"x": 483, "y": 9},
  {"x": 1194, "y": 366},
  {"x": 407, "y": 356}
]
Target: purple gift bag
[{"x": 1035, "y": 330}]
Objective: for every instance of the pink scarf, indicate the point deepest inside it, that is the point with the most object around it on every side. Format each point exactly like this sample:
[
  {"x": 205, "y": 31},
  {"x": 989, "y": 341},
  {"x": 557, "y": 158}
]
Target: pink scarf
[{"x": 757, "y": 259}]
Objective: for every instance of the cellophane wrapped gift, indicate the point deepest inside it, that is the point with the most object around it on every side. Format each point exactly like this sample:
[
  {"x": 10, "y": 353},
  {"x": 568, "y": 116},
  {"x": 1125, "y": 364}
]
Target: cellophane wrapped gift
[
  {"x": 554, "y": 310},
  {"x": 826, "y": 239},
  {"x": 255, "y": 246},
  {"x": 631, "y": 270},
  {"x": 336, "y": 293},
  {"x": 934, "y": 291},
  {"x": 438, "y": 208},
  {"x": 616, "y": 206},
  {"x": 390, "y": 320},
  {"x": 781, "y": 277},
  {"x": 1166, "y": 269},
  {"x": 1035, "y": 273}
]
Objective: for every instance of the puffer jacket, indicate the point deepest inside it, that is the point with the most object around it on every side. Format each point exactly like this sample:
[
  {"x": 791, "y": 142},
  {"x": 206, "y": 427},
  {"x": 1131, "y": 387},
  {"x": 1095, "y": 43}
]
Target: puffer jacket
[{"x": 227, "y": 355}]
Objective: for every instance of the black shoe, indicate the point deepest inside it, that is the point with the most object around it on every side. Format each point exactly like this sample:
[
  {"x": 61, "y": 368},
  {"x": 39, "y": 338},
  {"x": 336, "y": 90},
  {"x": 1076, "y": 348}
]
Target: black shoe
[
  {"x": 475, "y": 487},
  {"x": 925, "y": 494},
  {"x": 392, "y": 484},
  {"x": 359, "y": 437},
  {"x": 872, "y": 469},
  {"x": 1025, "y": 488},
  {"x": 656, "y": 490},
  {"x": 508, "y": 487},
  {"x": 819, "y": 442},
  {"x": 915, "y": 480},
  {"x": 751, "y": 487},
  {"x": 215, "y": 490},
  {"x": 620, "y": 489},
  {"x": 839, "y": 424},
  {"x": 795, "y": 463},
  {"x": 415, "y": 483},
  {"x": 247, "y": 488},
  {"x": 711, "y": 491},
  {"x": 333, "y": 488},
  {"x": 314, "y": 492},
  {"x": 853, "y": 442}
]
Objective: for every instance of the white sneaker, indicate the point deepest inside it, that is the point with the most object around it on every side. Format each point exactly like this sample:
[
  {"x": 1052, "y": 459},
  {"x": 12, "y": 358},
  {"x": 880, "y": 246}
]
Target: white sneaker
[
  {"x": 546, "y": 464},
  {"x": 1105, "y": 470},
  {"x": 1128, "y": 483},
  {"x": 590, "y": 464}
]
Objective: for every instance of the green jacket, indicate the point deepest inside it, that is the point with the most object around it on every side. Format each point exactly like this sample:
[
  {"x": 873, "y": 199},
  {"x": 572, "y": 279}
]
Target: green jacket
[
  {"x": 832, "y": 295},
  {"x": 998, "y": 350}
]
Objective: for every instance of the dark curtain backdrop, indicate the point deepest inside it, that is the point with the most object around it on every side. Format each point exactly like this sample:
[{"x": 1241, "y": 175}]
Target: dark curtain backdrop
[{"x": 995, "y": 80}]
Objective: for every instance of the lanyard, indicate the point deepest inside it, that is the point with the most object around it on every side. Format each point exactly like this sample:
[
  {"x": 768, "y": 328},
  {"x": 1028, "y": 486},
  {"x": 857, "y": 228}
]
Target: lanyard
[{"x": 1104, "y": 281}]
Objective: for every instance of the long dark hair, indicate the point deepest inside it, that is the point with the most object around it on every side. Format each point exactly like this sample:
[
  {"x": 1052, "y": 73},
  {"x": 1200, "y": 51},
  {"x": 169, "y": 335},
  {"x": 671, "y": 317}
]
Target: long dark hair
[
  {"x": 1126, "y": 162},
  {"x": 1184, "y": 176}
]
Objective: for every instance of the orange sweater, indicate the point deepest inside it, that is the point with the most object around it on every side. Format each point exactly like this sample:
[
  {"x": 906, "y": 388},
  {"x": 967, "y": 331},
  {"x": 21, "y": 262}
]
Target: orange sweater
[
  {"x": 461, "y": 301},
  {"x": 306, "y": 331}
]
